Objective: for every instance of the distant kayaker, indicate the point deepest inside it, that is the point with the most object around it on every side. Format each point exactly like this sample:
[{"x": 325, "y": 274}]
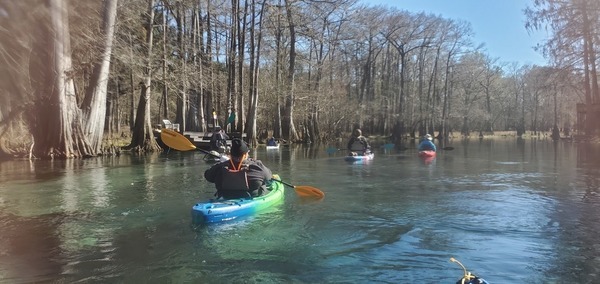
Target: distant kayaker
[
  {"x": 218, "y": 141},
  {"x": 241, "y": 176},
  {"x": 358, "y": 144},
  {"x": 426, "y": 144},
  {"x": 272, "y": 142}
]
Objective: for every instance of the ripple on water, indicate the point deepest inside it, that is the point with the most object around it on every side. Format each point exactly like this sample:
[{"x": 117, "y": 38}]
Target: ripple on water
[{"x": 515, "y": 219}]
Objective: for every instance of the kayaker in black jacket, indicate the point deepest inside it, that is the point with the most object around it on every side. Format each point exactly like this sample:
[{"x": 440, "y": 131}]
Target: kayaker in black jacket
[
  {"x": 218, "y": 141},
  {"x": 272, "y": 142},
  {"x": 241, "y": 176},
  {"x": 358, "y": 144}
]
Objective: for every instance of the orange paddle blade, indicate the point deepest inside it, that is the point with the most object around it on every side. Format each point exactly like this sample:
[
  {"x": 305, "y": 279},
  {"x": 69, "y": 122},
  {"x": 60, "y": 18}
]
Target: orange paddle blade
[
  {"x": 175, "y": 140},
  {"x": 309, "y": 191}
]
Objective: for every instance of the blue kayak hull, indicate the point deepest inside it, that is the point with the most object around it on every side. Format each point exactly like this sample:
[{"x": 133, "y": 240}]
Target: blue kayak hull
[{"x": 219, "y": 210}]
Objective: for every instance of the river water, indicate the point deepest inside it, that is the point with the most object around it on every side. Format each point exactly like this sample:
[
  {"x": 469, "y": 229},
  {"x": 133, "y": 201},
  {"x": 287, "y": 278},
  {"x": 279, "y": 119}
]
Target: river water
[{"x": 512, "y": 211}]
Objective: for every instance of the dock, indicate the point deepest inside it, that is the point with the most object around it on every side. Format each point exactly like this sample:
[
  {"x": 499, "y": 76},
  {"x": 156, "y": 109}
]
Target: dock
[
  {"x": 199, "y": 139},
  {"x": 202, "y": 139}
]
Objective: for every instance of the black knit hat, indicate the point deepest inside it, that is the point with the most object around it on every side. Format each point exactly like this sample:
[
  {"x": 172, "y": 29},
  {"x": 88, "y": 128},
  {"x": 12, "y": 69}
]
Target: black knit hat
[{"x": 238, "y": 147}]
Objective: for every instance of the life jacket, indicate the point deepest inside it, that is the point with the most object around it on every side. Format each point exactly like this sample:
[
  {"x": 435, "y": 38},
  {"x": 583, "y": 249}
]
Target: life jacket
[
  {"x": 234, "y": 182},
  {"x": 358, "y": 145},
  {"x": 219, "y": 140},
  {"x": 426, "y": 145}
]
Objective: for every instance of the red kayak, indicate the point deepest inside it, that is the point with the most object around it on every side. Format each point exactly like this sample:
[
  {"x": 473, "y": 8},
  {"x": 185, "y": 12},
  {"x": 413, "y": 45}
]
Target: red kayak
[{"x": 427, "y": 154}]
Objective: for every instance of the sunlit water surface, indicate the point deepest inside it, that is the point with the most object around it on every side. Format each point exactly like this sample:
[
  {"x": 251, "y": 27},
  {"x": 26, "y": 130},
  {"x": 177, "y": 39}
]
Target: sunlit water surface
[{"x": 512, "y": 211}]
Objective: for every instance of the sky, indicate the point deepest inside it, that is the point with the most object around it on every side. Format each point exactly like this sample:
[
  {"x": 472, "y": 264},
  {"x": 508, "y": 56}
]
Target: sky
[{"x": 498, "y": 24}]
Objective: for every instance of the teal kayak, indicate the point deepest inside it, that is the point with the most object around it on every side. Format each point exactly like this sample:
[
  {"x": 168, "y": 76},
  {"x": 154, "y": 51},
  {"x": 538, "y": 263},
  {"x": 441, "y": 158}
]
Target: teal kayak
[
  {"x": 360, "y": 158},
  {"x": 219, "y": 210}
]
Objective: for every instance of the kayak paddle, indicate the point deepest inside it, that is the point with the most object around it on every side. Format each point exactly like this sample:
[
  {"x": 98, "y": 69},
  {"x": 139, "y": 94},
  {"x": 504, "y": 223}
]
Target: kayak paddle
[
  {"x": 305, "y": 190},
  {"x": 175, "y": 140},
  {"x": 179, "y": 142},
  {"x": 468, "y": 277}
]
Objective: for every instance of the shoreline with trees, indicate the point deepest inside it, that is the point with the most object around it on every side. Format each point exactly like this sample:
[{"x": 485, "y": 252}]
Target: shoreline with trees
[{"x": 78, "y": 74}]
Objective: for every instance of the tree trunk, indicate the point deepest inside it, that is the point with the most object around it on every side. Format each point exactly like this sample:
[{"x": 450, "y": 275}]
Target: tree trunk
[
  {"x": 241, "y": 34},
  {"x": 231, "y": 59},
  {"x": 94, "y": 103},
  {"x": 132, "y": 83},
  {"x": 165, "y": 91},
  {"x": 289, "y": 130},
  {"x": 208, "y": 91},
  {"x": 55, "y": 121},
  {"x": 182, "y": 99},
  {"x": 255, "y": 44},
  {"x": 197, "y": 51},
  {"x": 278, "y": 131},
  {"x": 115, "y": 118},
  {"x": 142, "y": 139},
  {"x": 555, "y": 132}
]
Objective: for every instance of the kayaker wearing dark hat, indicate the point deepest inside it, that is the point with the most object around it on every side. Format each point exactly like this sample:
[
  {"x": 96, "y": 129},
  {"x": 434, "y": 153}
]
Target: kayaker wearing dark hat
[
  {"x": 241, "y": 176},
  {"x": 358, "y": 144},
  {"x": 218, "y": 141}
]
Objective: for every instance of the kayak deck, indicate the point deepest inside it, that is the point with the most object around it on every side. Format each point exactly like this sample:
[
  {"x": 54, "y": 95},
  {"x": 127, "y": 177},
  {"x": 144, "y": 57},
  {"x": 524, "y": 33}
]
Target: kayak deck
[
  {"x": 272, "y": 147},
  {"x": 214, "y": 156},
  {"x": 219, "y": 210},
  {"x": 359, "y": 158}
]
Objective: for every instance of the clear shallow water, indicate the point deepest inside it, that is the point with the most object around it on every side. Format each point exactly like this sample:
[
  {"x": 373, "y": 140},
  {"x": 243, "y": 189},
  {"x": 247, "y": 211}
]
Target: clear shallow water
[{"x": 511, "y": 211}]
